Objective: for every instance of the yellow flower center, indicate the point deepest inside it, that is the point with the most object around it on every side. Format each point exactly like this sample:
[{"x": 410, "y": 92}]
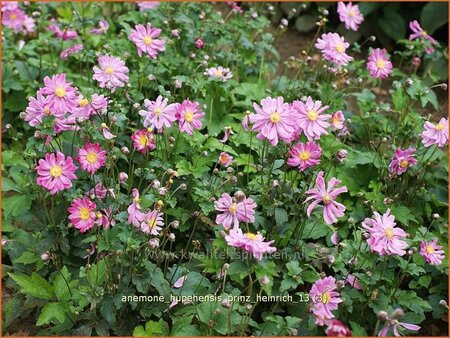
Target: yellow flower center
[
  {"x": 136, "y": 199},
  {"x": 404, "y": 163},
  {"x": 83, "y": 102},
  {"x": 151, "y": 223},
  {"x": 189, "y": 116},
  {"x": 312, "y": 115},
  {"x": 143, "y": 140},
  {"x": 148, "y": 40},
  {"x": 109, "y": 70},
  {"x": 439, "y": 127},
  {"x": 304, "y": 155},
  {"x": 232, "y": 208},
  {"x": 56, "y": 171},
  {"x": 13, "y": 16},
  {"x": 340, "y": 48},
  {"x": 157, "y": 111},
  {"x": 326, "y": 199},
  {"x": 223, "y": 158},
  {"x": 251, "y": 236},
  {"x": 424, "y": 33},
  {"x": 99, "y": 215},
  {"x": 326, "y": 297},
  {"x": 60, "y": 91},
  {"x": 103, "y": 125},
  {"x": 275, "y": 117},
  {"x": 218, "y": 73},
  {"x": 91, "y": 157},
  {"x": 380, "y": 63},
  {"x": 47, "y": 111},
  {"x": 84, "y": 214},
  {"x": 351, "y": 13},
  {"x": 389, "y": 232},
  {"x": 335, "y": 120},
  {"x": 429, "y": 249}
]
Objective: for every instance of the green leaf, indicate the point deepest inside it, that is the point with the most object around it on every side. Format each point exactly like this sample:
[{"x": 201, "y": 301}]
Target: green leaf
[
  {"x": 357, "y": 330},
  {"x": 15, "y": 205},
  {"x": 433, "y": 16},
  {"x": 183, "y": 327},
  {"x": 62, "y": 283},
  {"x": 403, "y": 214},
  {"x": 139, "y": 331},
  {"x": 27, "y": 258},
  {"x": 35, "y": 285},
  {"x": 393, "y": 25},
  {"x": 281, "y": 216},
  {"x": 51, "y": 312}
]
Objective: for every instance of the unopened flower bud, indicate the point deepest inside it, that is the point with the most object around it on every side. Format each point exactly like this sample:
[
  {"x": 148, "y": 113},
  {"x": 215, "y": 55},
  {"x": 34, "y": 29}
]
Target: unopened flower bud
[
  {"x": 382, "y": 315},
  {"x": 183, "y": 186},
  {"x": 22, "y": 115},
  {"x": 373, "y": 38},
  {"x": 275, "y": 184},
  {"x": 153, "y": 243},
  {"x": 171, "y": 237},
  {"x": 399, "y": 313},
  {"x": 175, "y": 33},
  {"x": 125, "y": 150},
  {"x": 175, "y": 224},
  {"x": 151, "y": 77},
  {"x": 162, "y": 191},
  {"x": 340, "y": 284},
  {"x": 45, "y": 257},
  {"x": 436, "y": 216},
  {"x": 226, "y": 303},
  {"x": 443, "y": 303},
  {"x": 123, "y": 177},
  {"x": 264, "y": 280}
]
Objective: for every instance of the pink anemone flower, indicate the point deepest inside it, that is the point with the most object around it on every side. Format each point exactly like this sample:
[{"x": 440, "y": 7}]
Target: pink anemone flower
[
  {"x": 55, "y": 172},
  {"x": 327, "y": 196}
]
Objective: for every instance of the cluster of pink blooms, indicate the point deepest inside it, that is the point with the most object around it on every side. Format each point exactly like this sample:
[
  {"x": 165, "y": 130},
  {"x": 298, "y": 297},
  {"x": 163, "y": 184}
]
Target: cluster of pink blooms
[
  {"x": 150, "y": 222},
  {"x": 83, "y": 214},
  {"x": 234, "y": 7},
  {"x": 350, "y": 15},
  {"x": 385, "y": 238},
  {"x": 327, "y": 196},
  {"x": 241, "y": 209},
  {"x": 58, "y": 99},
  {"x": 64, "y": 34},
  {"x": 379, "y": 64},
  {"x": 402, "y": 160},
  {"x": 435, "y": 133},
  {"x": 324, "y": 299},
  {"x": 159, "y": 115},
  {"x": 234, "y": 211},
  {"x": 278, "y": 120},
  {"x": 146, "y": 40},
  {"x": 15, "y": 18},
  {"x": 219, "y": 73}
]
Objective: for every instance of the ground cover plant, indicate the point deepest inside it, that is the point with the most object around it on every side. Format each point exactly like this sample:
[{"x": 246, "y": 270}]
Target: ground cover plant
[{"x": 166, "y": 173}]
